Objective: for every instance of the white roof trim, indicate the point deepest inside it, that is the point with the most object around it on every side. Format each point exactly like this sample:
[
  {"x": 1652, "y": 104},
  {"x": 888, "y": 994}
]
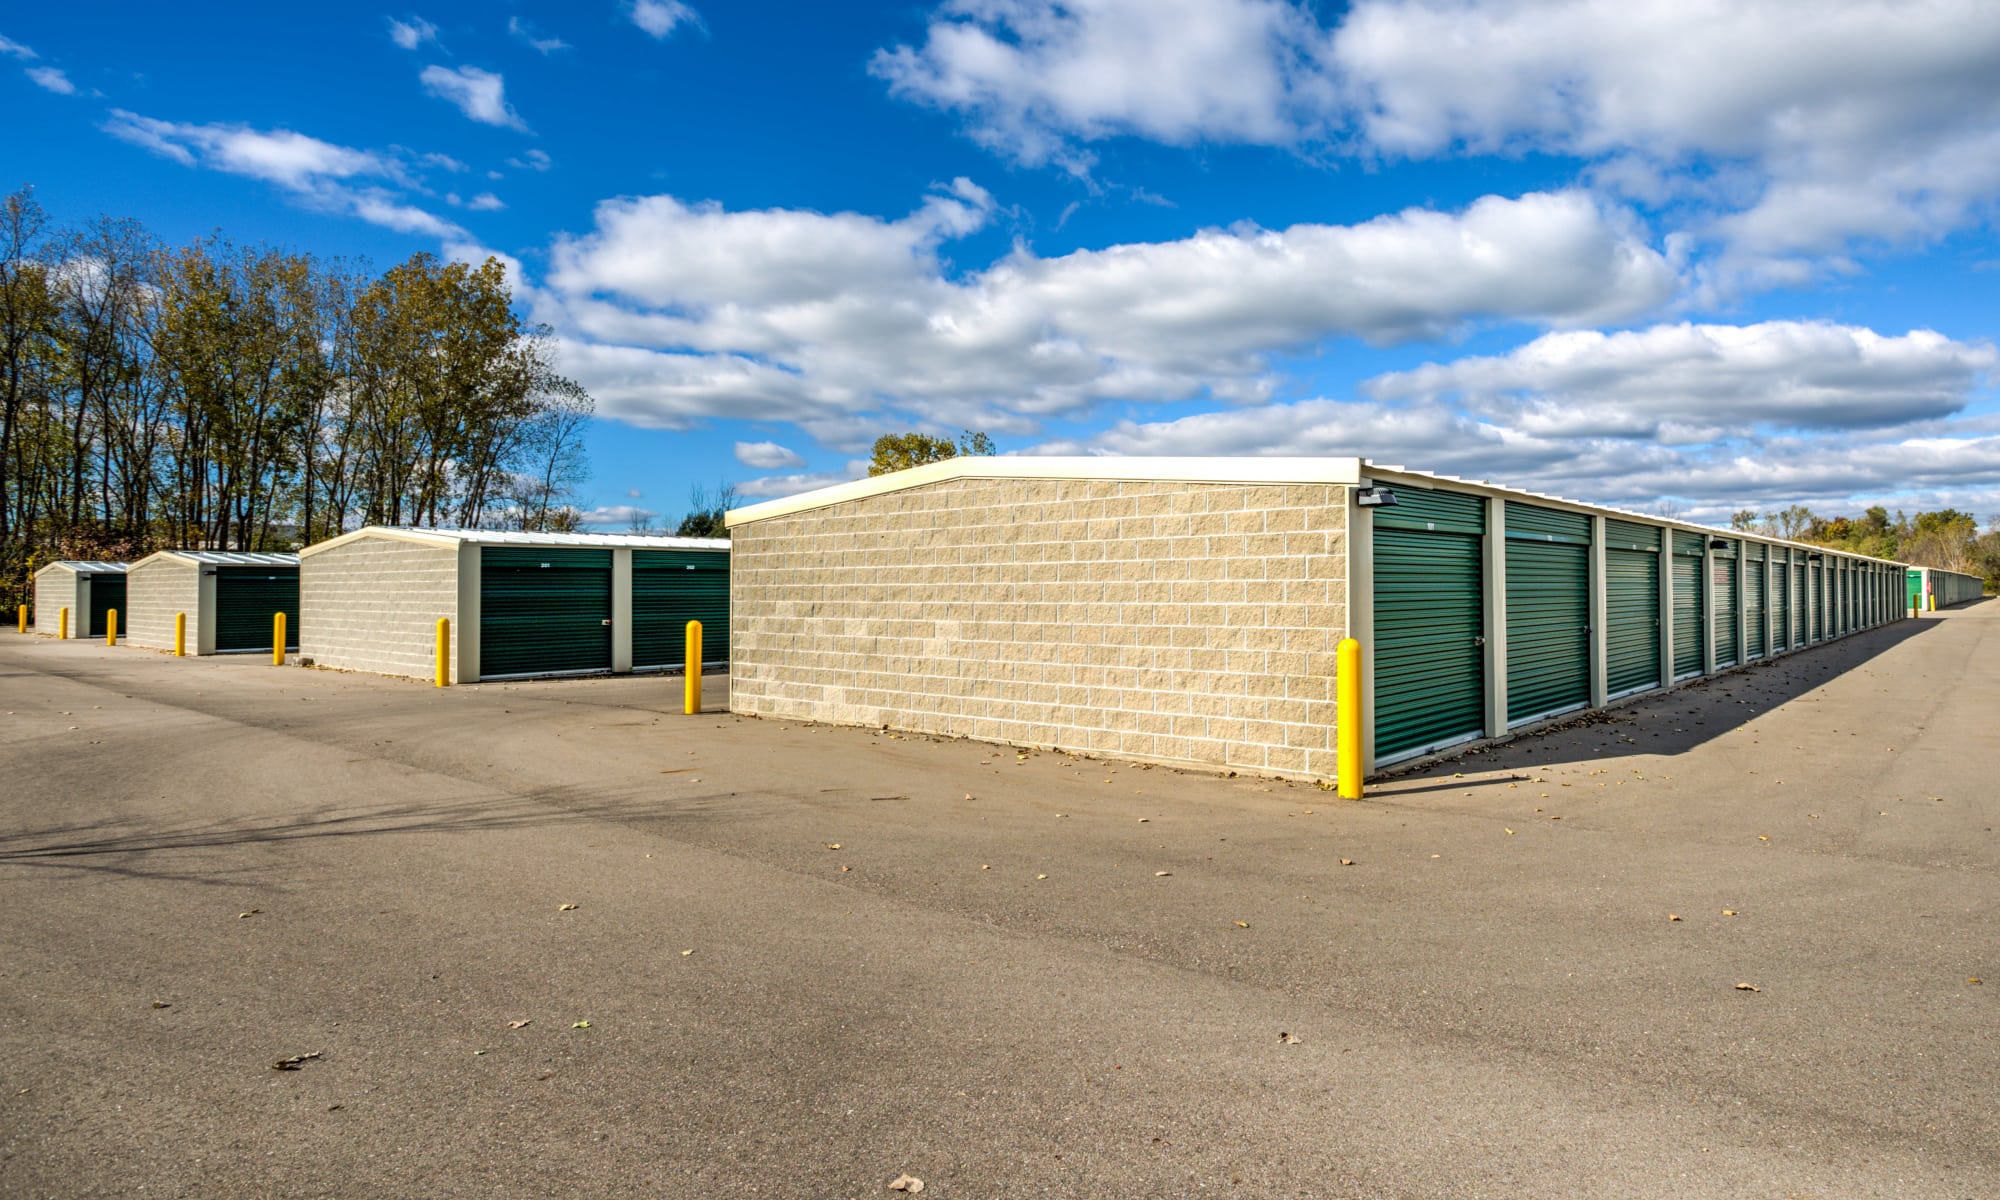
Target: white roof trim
[
  {"x": 223, "y": 558},
  {"x": 508, "y": 537},
  {"x": 1095, "y": 467},
  {"x": 83, "y": 568}
]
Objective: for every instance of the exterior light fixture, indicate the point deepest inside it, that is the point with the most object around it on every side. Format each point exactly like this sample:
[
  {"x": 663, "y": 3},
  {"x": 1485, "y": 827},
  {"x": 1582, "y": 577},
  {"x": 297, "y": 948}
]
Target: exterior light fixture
[
  {"x": 1375, "y": 497},
  {"x": 1718, "y": 543}
]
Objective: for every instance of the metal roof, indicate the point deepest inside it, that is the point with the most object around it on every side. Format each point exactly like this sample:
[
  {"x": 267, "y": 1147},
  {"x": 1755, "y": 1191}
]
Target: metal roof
[
  {"x": 509, "y": 537},
  {"x": 1248, "y": 469},
  {"x": 233, "y": 558},
  {"x": 90, "y": 568}
]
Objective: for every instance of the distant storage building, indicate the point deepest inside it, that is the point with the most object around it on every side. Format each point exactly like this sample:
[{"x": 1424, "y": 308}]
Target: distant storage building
[
  {"x": 229, "y": 598},
  {"x": 1934, "y": 587},
  {"x": 520, "y": 604},
  {"x": 89, "y": 590},
  {"x": 1188, "y": 610}
]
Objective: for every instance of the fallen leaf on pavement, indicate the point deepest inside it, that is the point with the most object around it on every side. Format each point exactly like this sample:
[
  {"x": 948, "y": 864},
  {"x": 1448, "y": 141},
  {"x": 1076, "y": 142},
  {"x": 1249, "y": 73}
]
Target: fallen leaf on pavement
[
  {"x": 163, "y": 1004},
  {"x": 906, "y": 1183},
  {"x": 1748, "y": 987},
  {"x": 1673, "y": 916},
  {"x": 1346, "y": 862},
  {"x": 253, "y": 912},
  {"x": 1041, "y": 877},
  {"x": 520, "y": 1024},
  {"x": 579, "y": 1025},
  {"x": 1242, "y": 924},
  {"x": 1728, "y": 912},
  {"x": 1287, "y": 1039},
  {"x": 833, "y": 845},
  {"x": 565, "y": 907},
  {"x": 294, "y": 1062},
  {"x": 1161, "y": 874}
]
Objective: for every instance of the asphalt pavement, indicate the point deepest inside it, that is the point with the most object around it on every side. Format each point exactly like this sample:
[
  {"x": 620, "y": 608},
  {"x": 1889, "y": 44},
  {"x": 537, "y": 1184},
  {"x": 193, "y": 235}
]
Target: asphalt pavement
[{"x": 556, "y": 939}]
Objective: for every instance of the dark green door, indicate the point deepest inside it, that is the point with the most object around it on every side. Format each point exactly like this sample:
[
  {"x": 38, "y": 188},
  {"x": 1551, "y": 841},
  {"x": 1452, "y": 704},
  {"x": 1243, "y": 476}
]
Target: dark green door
[
  {"x": 1548, "y": 612},
  {"x": 1781, "y": 605},
  {"x": 246, "y": 600},
  {"x": 1430, "y": 657},
  {"x": 1818, "y": 585},
  {"x": 1755, "y": 585},
  {"x": 1631, "y": 607},
  {"x": 1801, "y": 605},
  {"x": 1690, "y": 605},
  {"x": 107, "y": 592},
  {"x": 1722, "y": 587},
  {"x": 1913, "y": 588},
  {"x": 543, "y": 610},
  {"x": 671, "y": 588}
]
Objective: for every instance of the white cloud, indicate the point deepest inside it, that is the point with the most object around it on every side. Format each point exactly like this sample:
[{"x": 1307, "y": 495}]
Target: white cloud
[
  {"x": 526, "y": 32},
  {"x": 443, "y": 162},
  {"x": 323, "y": 175},
  {"x": 52, "y": 80},
  {"x": 411, "y": 33},
  {"x": 620, "y": 516},
  {"x": 1689, "y": 384},
  {"x": 767, "y": 456},
  {"x": 661, "y": 17},
  {"x": 529, "y": 160},
  {"x": 14, "y": 49},
  {"x": 480, "y": 95},
  {"x": 773, "y": 486},
  {"x": 678, "y": 311},
  {"x": 485, "y": 202}
]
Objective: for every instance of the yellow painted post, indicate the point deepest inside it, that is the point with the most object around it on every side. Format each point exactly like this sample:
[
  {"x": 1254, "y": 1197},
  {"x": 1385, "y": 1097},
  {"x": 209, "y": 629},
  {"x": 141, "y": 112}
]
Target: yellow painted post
[
  {"x": 693, "y": 696},
  {"x": 24, "y": 618},
  {"x": 62, "y": 626},
  {"x": 180, "y": 635},
  {"x": 1933, "y": 601},
  {"x": 111, "y": 627},
  {"x": 1347, "y": 714},
  {"x": 278, "y": 639},
  {"x": 444, "y": 652}
]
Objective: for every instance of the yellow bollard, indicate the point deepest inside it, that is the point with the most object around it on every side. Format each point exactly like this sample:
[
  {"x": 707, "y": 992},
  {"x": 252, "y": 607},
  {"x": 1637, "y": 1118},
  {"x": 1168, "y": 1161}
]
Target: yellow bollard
[
  {"x": 180, "y": 635},
  {"x": 1933, "y": 601},
  {"x": 62, "y": 626},
  {"x": 444, "y": 652},
  {"x": 1347, "y": 714},
  {"x": 24, "y": 618},
  {"x": 111, "y": 627},
  {"x": 693, "y": 697},
  {"x": 278, "y": 639}
]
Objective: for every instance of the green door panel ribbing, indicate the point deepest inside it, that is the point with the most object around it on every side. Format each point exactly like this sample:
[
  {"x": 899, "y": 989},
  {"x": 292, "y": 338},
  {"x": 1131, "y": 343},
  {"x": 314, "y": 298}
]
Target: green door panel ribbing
[
  {"x": 1722, "y": 588},
  {"x": 246, "y": 601},
  {"x": 1632, "y": 607},
  {"x": 671, "y": 588},
  {"x": 1430, "y": 675},
  {"x": 1548, "y": 626},
  {"x": 544, "y": 610},
  {"x": 1688, "y": 613},
  {"x": 107, "y": 591}
]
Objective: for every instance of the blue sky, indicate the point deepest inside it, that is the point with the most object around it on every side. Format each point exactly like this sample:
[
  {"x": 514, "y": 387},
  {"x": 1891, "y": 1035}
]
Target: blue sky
[{"x": 1666, "y": 254}]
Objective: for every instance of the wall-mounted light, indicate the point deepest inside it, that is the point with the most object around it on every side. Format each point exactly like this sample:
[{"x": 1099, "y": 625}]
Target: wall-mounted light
[
  {"x": 1815, "y": 558},
  {"x": 1375, "y": 497},
  {"x": 1718, "y": 543}
]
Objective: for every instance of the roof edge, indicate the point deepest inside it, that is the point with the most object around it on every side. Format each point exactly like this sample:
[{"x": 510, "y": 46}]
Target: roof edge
[{"x": 1096, "y": 467}]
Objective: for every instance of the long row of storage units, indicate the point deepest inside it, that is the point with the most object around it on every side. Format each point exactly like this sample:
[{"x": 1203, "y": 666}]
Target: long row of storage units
[
  {"x": 227, "y": 598},
  {"x": 1188, "y": 610},
  {"x": 1933, "y": 587}
]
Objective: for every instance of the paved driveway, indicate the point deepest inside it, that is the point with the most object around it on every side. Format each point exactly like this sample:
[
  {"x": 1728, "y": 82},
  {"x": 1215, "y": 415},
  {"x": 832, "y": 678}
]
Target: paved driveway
[{"x": 814, "y": 959}]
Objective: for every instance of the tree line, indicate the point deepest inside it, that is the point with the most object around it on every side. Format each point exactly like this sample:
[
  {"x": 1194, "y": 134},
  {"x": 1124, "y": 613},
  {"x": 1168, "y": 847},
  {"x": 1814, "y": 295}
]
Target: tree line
[
  {"x": 234, "y": 397},
  {"x": 1946, "y": 539}
]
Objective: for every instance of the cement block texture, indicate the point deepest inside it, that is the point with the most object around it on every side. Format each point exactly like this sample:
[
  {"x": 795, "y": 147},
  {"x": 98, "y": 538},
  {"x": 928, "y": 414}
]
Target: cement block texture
[
  {"x": 155, "y": 591},
  {"x": 373, "y": 604},
  {"x": 1163, "y": 621}
]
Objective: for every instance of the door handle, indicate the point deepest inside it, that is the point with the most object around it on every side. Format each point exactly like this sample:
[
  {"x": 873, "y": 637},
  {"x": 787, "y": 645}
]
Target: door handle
[
  {"x": 605, "y": 621},
  {"x": 1479, "y": 640}
]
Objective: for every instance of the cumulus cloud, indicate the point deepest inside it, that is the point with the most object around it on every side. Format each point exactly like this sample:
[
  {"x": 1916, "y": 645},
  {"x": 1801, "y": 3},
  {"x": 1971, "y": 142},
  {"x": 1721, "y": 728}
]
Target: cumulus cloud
[
  {"x": 660, "y": 18},
  {"x": 411, "y": 33},
  {"x": 678, "y": 311},
  {"x": 772, "y": 486},
  {"x": 531, "y": 160},
  {"x": 527, "y": 33},
  {"x": 1035, "y": 76},
  {"x": 52, "y": 79},
  {"x": 1793, "y": 128},
  {"x": 620, "y": 516},
  {"x": 1687, "y": 383},
  {"x": 480, "y": 95},
  {"x": 14, "y": 49},
  {"x": 767, "y": 456},
  {"x": 322, "y": 174}
]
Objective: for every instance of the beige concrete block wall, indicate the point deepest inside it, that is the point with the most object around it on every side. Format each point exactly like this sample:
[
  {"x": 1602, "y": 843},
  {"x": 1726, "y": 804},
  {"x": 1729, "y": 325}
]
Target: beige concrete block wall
[
  {"x": 54, "y": 591},
  {"x": 1163, "y": 621},
  {"x": 154, "y": 593},
  {"x": 373, "y": 604}
]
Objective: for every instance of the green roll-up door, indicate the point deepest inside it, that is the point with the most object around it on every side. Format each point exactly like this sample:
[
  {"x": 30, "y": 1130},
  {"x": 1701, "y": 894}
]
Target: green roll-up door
[
  {"x": 107, "y": 591},
  {"x": 671, "y": 588},
  {"x": 1756, "y": 583},
  {"x": 1816, "y": 581},
  {"x": 1801, "y": 605},
  {"x": 544, "y": 610},
  {"x": 1548, "y": 612},
  {"x": 1430, "y": 672},
  {"x": 1913, "y": 587},
  {"x": 1781, "y": 602},
  {"x": 1723, "y": 590},
  {"x": 1689, "y": 606},
  {"x": 1631, "y": 606},
  {"x": 246, "y": 600}
]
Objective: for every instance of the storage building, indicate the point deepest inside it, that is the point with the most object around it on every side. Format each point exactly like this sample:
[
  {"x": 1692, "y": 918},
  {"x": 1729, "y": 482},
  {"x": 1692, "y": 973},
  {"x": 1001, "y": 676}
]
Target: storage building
[
  {"x": 1188, "y": 610},
  {"x": 89, "y": 590},
  {"x": 1933, "y": 587},
  {"x": 520, "y": 604},
  {"x": 229, "y": 598}
]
